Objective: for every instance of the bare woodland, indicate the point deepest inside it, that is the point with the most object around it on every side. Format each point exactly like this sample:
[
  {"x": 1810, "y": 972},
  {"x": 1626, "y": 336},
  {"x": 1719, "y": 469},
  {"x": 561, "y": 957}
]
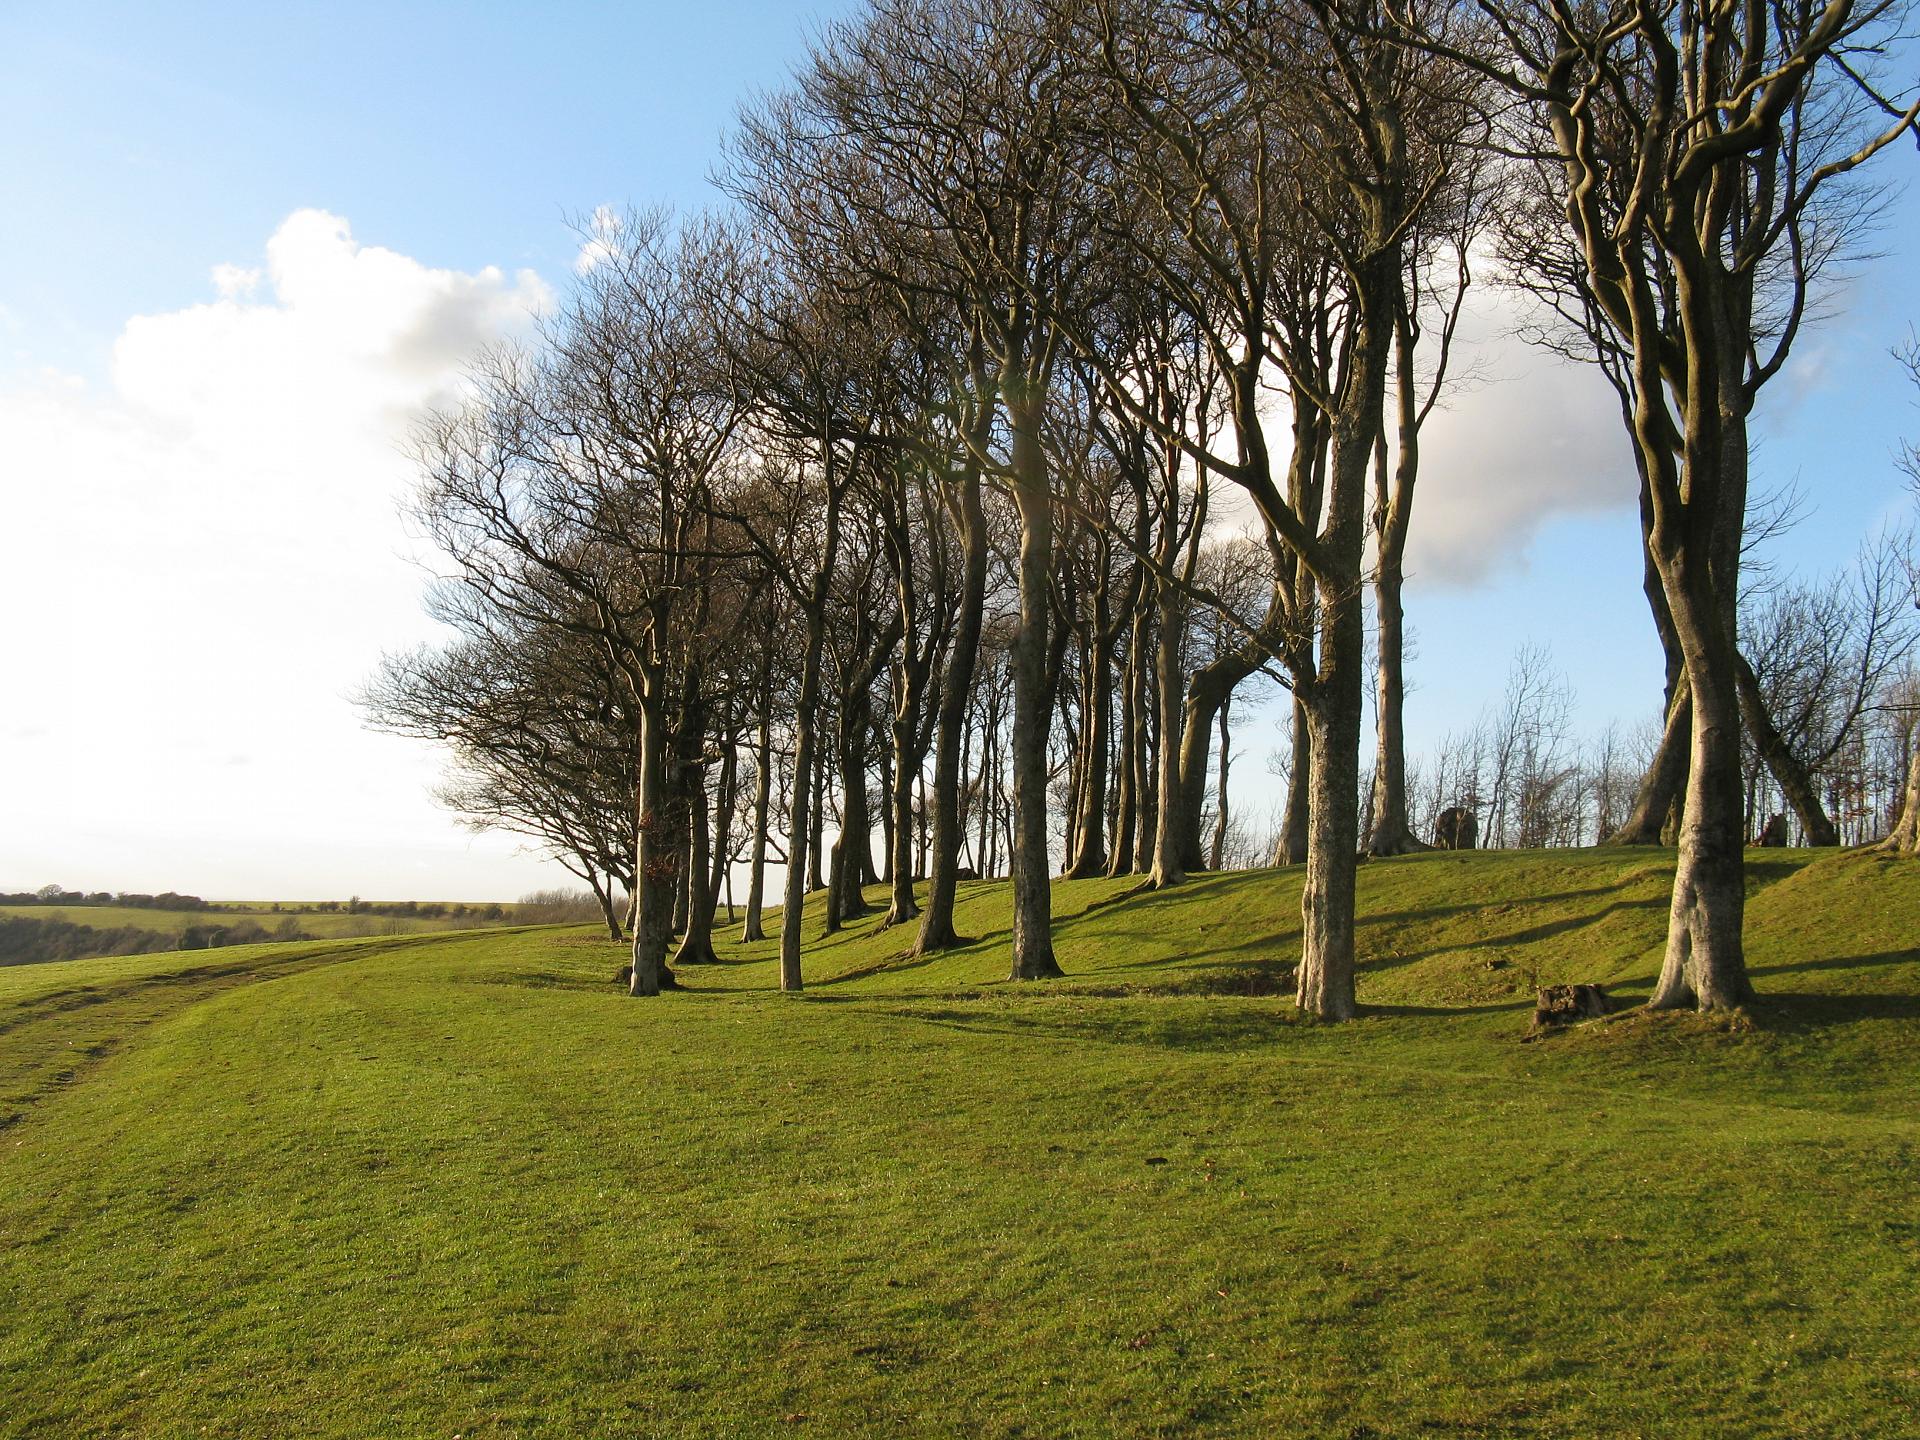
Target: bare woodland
[{"x": 884, "y": 502}]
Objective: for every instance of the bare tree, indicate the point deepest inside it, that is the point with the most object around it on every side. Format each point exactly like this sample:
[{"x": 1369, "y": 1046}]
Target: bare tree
[{"x": 1690, "y": 146}]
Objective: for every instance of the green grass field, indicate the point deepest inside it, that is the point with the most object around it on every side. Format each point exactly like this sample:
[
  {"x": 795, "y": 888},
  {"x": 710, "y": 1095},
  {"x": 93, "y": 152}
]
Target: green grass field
[{"x": 463, "y": 1186}]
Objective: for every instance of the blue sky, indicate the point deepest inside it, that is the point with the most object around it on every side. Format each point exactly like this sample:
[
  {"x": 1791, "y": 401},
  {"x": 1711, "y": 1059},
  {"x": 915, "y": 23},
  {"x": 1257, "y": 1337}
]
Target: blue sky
[
  {"x": 349, "y": 164},
  {"x": 144, "y": 142}
]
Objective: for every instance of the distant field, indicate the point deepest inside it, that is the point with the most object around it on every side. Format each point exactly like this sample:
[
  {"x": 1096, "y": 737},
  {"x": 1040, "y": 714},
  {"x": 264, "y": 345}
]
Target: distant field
[
  {"x": 463, "y": 1185},
  {"x": 322, "y": 925}
]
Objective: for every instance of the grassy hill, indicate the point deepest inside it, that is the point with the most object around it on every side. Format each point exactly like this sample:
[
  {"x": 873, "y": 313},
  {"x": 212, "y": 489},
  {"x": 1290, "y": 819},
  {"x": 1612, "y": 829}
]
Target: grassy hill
[
  {"x": 461, "y": 1185},
  {"x": 320, "y": 924}
]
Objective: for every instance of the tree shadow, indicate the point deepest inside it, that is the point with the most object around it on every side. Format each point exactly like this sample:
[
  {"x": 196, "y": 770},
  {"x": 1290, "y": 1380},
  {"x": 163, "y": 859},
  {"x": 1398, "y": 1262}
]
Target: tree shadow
[
  {"x": 1840, "y": 962},
  {"x": 1794, "y": 1012},
  {"x": 1387, "y": 1012},
  {"x": 1531, "y": 935},
  {"x": 1440, "y": 912}
]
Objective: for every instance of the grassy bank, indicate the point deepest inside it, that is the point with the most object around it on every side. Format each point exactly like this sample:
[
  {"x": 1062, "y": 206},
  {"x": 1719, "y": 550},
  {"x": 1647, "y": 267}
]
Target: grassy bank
[{"x": 461, "y": 1185}]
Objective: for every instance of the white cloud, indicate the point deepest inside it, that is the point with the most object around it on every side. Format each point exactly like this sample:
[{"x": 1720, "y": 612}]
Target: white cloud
[
  {"x": 1521, "y": 436},
  {"x": 235, "y": 282},
  {"x": 603, "y": 239},
  {"x": 1531, "y": 437},
  {"x": 205, "y": 557}
]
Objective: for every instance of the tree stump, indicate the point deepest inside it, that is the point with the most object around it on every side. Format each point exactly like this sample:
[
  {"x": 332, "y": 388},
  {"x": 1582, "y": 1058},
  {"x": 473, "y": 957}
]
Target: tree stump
[{"x": 1569, "y": 1004}]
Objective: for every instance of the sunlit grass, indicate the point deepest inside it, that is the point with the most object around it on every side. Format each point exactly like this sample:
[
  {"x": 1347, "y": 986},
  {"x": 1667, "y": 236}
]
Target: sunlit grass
[{"x": 463, "y": 1185}]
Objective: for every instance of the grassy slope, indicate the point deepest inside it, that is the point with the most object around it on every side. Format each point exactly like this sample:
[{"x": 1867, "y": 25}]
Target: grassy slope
[
  {"x": 461, "y": 1185},
  {"x": 332, "y": 925}
]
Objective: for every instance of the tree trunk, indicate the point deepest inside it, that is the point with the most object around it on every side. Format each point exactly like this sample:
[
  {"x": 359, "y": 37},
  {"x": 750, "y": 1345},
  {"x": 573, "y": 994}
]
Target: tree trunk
[
  {"x": 854, "y": 849},
  {"x": 1291, "y": 848},
  {"x": 1662, "y": 787},
  {"x": 920, "y": 826},
  {"x": 684, "y": 830},
  {"x": 1208, "y": 694},
  {"x": 910, "y": 680},
  {"x": 1090, "y": 851},
  {"x": 836, "y": 884},
  {"x": 1658, "y": 798},
  {"x": 654, "y": 861},
  {"x": 801, "y": 823},
  {"x": 1795, "y": 783},
  {"x": 1170, "y": 836},
  {"x": 815, "y": 850},
  {"x": 603, "y": 897},
  {"x": 1220, "y": 813},
  {"x": 1326, "y": 976},
  {"x": 752, "y": 929},
  {"x": 696, "y": 944},
  {"x": 1705, "y": 962},
  {"x": 1124, "y": 809},
  {"x": 886, "y": 821},
  {"x": 956, "y": 690},
  {"x": 864, "y": 872},
  {"x": 727, "y": 794},
  {"x": 1032, "y": 705},
  {"x": 1335, "y": 699},
  {"x": 1697, "y": 534},
  {"x": 1390, "y": 833},
  {"x": 1904, "y": 838}
]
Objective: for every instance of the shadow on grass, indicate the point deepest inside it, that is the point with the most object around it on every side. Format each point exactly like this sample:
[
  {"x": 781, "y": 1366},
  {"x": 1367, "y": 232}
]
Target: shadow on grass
[
  {"x": 1511, "y": 902},
  {"x": 1840, "y": 962},
  {"x": 1239, "y": 1029},
  {"x": 1533, "y": 934},
  {"x": 1388, "y": 1012},
  {"x": 1799, "y": 1012}
]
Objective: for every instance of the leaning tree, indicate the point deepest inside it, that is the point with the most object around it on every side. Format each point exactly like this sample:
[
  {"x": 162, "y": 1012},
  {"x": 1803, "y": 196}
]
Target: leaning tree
[{"x": 1692, "y": 142}]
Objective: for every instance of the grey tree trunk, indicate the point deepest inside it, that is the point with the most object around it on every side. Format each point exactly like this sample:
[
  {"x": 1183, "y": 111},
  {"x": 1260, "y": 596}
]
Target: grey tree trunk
[
  {"x": 603, "y": 897},
  {"x": 1146, "y": 785},
  {"x": 1904, "y": 837},
  {"x": 1169, "y": 831},
  {"x": 1326, "y": 974},
  {"x": 1209, "y": 693},
  {"x": 1032, "y": 705},
  {"x": 909, "y": 684},
  {"x": 1121, "y": 855},
  {"x": 655, "y": 862},
  {"x": 1697, "y": 536},
  {"x": 1220, "y": 813},
  {"x": 1795, "y": 783},
  {"x": 1705, "y": 963},
  {"x": 1090, "y": 850},
  {"x": 853, "y": 851},
  {"x": 1390, "y": 833},
  {"x": 1663, "y": 787},
  {"x": 682, "y": 875},
  {"x": 696, "y": 943},
  {"x": 816, "y": 851},
  {"x": 956, "y": 689},
  {"x": 727, "y": 794},
  {"x": 1335, "y": 699},
  {"x": 802, "y": 824},
  {"x": 752, "y": 929},
  {"x": 1291, "y": 848}
]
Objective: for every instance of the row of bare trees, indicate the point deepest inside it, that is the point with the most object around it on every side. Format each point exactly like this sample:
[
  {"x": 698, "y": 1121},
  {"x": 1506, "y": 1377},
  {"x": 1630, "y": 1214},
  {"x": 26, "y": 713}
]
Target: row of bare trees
[
  {"x": 1531, "y": 778},
  {"x": 896, "y": 488}
]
